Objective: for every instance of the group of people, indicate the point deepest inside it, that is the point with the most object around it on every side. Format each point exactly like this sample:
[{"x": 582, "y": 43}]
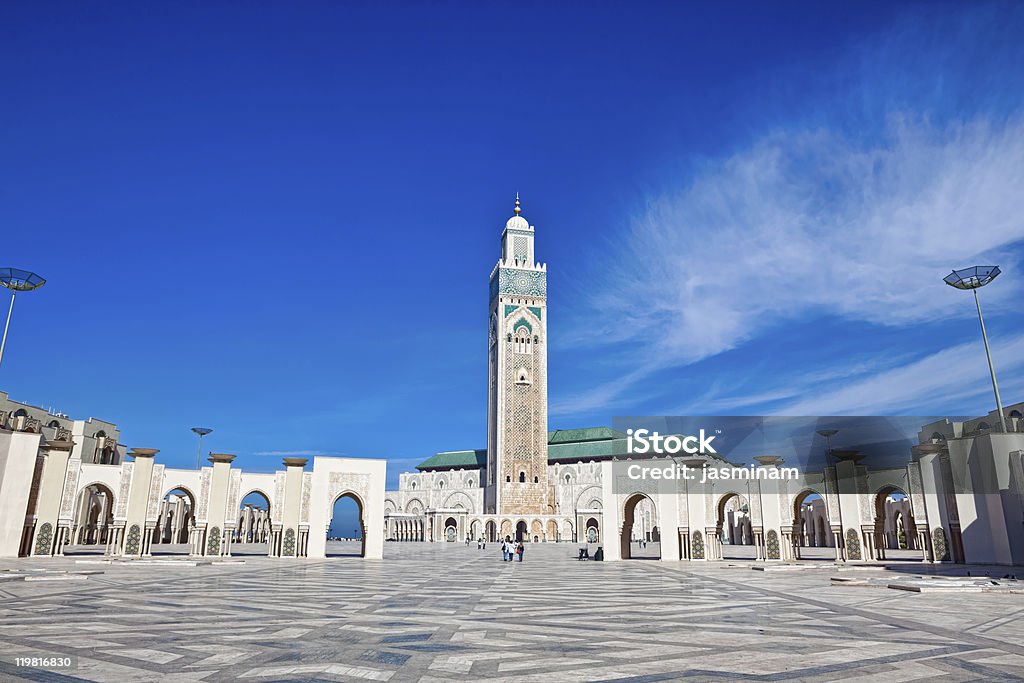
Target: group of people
[{"x": 510, "y": 548}]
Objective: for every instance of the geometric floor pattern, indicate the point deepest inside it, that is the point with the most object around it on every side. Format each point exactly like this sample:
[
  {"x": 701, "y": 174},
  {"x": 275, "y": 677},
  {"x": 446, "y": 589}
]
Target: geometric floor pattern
[{"x": 447, "y": 612}]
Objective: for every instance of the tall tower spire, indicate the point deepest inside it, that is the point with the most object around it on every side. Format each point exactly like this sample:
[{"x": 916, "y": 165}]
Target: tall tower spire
[{"x": 517, "y": 418}]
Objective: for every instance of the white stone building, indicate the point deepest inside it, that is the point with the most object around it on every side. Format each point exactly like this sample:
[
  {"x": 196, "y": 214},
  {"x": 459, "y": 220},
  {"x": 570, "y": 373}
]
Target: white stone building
[
  {"x": 541, "y": 486},
  {"x": 69, "y": 482}
]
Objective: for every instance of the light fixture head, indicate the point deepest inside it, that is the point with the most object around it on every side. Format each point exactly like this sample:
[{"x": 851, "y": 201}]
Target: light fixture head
[
  {"x": 20, "y": 280},
  {"x": 972, "y": 278},
  {"x": 202, "y": 431}
]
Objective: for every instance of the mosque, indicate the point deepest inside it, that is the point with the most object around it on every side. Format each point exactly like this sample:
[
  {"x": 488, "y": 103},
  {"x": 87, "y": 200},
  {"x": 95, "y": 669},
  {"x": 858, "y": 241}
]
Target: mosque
[
  {"x": 956, "y": 495},
  {"x": 537, "y": 485}
]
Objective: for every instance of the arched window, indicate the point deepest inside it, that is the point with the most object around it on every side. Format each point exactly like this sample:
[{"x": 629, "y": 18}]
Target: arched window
[
  {"x": 440, "y": 484},
  {"x": 536, "y": 480},
  {"x": 523, "y": 342},
  {"x": 522, "y": 477},
  {"x": 54, "y": 424},
  {"x": 1016, "y": 413},
  {"x": 413, "y": 486},
  {"x": 567, "y": 479},
  {"x": 983, "y": 425},
  {"x": 508, "y": 478}
]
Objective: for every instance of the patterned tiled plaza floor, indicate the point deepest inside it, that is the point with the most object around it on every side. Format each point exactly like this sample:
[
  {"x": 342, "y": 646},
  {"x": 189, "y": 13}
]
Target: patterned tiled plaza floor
[{"x": 448, "y": 612}]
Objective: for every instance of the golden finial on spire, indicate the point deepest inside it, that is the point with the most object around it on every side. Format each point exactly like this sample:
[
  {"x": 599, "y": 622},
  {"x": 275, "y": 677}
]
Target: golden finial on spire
[{"x": 517, "y": 209}]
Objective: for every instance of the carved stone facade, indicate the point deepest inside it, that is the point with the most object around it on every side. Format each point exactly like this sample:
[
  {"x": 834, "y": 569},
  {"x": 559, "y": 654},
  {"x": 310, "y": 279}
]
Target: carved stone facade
[
  {"x": 517, "y": 417},
  {"x": 70, "y": 486},
  {"x": 341, "y": 483},
  {"x": 203, "y": 504},
  {"x": 307, "y": 488},
  {"x": 155, "y": 488},
  {"x": 121, "y": 510}
]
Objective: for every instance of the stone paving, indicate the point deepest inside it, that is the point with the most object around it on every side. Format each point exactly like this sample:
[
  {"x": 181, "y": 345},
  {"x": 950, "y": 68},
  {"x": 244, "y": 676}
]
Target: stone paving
[{"x": 435, "y": 612}]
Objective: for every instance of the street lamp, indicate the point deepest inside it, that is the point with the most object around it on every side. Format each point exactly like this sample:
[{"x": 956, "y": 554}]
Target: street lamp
[
  {"x": 201, "y": 431},
  {"x": 828, "y": 434},
  {"x": 17, "y": 281},
  {"x": 974, "y": 279}
]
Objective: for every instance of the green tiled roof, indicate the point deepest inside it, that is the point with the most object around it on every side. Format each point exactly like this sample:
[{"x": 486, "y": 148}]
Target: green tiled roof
[
  {"x": 452, "y": 460},
  {"x": 564, "y": 445},
  {"x": 586, "y": 450},
  {"x": 585, "y": 434}
]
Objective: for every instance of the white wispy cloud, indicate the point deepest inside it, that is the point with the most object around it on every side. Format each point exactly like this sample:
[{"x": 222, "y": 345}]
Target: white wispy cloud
[
  {"x": 808, "y": 223},
  {"x": 925, "y": 383},
  {"x": 849, "y": 215}
]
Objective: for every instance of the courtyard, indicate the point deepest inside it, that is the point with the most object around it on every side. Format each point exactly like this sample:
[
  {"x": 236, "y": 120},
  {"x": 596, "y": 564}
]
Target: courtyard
[{"x": 452, "y": 612}]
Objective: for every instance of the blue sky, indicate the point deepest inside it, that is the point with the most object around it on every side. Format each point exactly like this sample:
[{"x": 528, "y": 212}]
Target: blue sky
[{"x": 278, "y": 219}]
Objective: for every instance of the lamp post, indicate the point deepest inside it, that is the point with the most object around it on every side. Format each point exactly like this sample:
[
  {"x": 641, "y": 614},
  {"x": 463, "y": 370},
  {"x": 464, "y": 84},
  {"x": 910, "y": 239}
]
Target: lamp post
[
  {"x": 974, "y": 279},
  {"x": 841, "y": 541},
  {"x": 201, "y": 431},
  {"x": 17, "y": 281}
]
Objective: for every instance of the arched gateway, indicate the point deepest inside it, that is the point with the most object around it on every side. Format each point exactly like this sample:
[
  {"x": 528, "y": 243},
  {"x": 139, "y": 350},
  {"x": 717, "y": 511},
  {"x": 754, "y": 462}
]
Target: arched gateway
[
  {"x": 348, "y": 525},
  {"x": 636, "y": 512},
  {"x": 141, "y": 508}
]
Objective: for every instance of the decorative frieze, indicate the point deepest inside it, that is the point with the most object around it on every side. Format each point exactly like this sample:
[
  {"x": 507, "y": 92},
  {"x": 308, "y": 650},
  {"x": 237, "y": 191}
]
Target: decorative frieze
[
  {"x": 346, "y": 482},
  {"x": 754, "y": 503},
  {"x": 697, "y": 545},
  {"x": 519, "y": 282},
  {"x": 277, "y": 509},
  {"x": 67, "y": 500},
  {"x": 772, "y": 545},
  {"x": 852, "y": 544},
  {"x": 155, "y": 489},
  {"x": 133, "y": 540},
  {"x": 44, "y": 539},
  {"x": 121, "y": 512},
  {"x": 234, "y": 490},
  {"x": 203, "y": 504},
  {"x": 917, "y": 494},
  {"x": 213, "y": 541},
  {"x": 307, "y": 488}
]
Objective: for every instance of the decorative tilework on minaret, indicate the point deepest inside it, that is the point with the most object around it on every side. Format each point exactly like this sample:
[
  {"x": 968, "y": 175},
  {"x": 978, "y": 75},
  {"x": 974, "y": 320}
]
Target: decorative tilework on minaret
[{"x": 517, "y": 422}]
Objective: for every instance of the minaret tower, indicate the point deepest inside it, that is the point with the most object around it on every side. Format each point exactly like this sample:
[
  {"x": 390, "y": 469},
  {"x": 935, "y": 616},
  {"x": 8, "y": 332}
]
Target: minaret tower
[{"x": 517, "y": 407}]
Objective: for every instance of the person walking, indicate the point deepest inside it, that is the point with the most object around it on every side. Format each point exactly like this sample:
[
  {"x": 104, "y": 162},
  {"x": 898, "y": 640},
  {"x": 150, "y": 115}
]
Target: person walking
[
  {"x": 504, "y": 551},
  {"x": 519, "y": 550}
]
